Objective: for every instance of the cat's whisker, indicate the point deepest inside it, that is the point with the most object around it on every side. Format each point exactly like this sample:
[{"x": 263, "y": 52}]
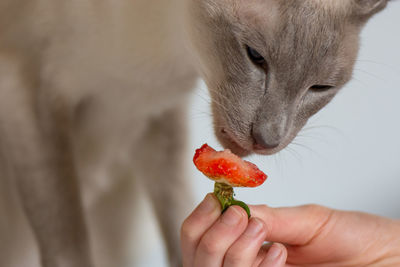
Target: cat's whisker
[
  {"x": 222, "y": 96},
  {"x": 370, "y": 74},
  {"x": 390, "y": 67},
  {"x": 212, "y": 100},
  {"x": 207, "y": 100},
  {"x": 309, "y": 149},
  {"x": 293, "y": 153},
  {"x": 360, "y": 81},
  {"x": 314, "y": 129},
  {"x": 312, "y": 136}
]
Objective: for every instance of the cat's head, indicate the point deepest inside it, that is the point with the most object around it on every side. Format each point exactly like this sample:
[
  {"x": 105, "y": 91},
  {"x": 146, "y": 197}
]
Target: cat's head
[{"x": 271, "y": 64}]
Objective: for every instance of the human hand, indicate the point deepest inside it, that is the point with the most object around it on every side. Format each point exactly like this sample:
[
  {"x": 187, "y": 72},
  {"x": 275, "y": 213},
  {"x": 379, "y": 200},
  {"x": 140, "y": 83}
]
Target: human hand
[
  {"x": 209, "y": 239},
  {"x": 313, "y": 236},
  {"x": 319, "y": 236}
]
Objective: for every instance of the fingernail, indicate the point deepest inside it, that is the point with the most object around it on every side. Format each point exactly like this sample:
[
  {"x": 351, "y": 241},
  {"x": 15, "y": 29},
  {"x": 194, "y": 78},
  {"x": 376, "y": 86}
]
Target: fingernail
[
  {"x": 274, "y": 252},
  {"x": 232, "y": 216},
  {"x": 254, "y": 228},
  {"x": 208, "y": 204}
]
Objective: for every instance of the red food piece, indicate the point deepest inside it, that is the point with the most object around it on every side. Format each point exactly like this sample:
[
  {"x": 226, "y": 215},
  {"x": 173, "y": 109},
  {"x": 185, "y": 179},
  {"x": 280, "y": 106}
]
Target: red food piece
[{"x": 226, "y": 167}]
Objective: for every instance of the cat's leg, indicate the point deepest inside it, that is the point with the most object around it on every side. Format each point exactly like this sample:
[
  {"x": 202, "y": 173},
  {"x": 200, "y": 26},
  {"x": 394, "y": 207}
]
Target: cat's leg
[
  {"x": 111, "y": 220},
  {"x": 17, "y": 245},
  {"x": 35, "y": 137},
  {"x": 160, "y": 162}
]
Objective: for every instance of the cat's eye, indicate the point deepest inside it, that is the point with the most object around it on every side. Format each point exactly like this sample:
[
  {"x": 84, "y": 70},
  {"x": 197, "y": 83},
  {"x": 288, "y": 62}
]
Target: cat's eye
[
  {"x": 255, "y": 56},
  {"x": 321, "y": 88}
]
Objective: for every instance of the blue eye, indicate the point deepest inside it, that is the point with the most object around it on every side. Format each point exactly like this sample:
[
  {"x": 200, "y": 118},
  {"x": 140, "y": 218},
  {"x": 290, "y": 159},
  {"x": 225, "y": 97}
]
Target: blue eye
[{"x": 255, "y": 56}]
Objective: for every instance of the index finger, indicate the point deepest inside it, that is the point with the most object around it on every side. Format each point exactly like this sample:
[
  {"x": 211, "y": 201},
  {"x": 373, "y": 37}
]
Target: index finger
[{"x": 194, "y": 227}]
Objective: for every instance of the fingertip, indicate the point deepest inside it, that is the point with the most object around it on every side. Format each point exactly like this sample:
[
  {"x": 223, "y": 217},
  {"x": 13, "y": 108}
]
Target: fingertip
[
  {"x": 256, "y": 228},
  {"x": 234, "y": 215},
  {"x": 281, "y": 248},
  {"x": 276, "y": 256},
  {"x": 208, "y": 205},
  {"x": 240, "y": 210}
]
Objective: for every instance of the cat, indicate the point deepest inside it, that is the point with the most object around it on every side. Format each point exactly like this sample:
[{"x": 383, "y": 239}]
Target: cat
[{"x": 93, "y": 97}]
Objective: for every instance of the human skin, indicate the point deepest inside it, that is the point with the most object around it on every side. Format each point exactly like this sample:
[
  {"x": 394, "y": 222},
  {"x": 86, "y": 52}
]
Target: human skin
[{"x": 312, "y": 236}]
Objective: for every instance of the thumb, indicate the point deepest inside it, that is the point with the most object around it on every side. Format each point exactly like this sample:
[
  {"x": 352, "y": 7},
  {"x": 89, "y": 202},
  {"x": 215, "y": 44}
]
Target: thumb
[{"x": 294, "y": 225}]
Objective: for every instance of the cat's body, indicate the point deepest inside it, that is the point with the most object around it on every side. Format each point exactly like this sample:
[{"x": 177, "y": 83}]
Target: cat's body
[
  {"x": 114, "y": 72},
  {"x": 92, "y": 100}
]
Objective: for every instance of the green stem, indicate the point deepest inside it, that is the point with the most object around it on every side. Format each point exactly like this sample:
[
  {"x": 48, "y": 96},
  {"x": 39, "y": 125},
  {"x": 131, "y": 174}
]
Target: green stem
[{"x": 224, "y": 193}]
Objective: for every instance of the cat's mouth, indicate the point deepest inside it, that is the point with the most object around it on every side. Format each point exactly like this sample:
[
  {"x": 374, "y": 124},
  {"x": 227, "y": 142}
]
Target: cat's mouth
[
  {"x": 243, "y": 148},
  {"x": 229, "y": 141}
]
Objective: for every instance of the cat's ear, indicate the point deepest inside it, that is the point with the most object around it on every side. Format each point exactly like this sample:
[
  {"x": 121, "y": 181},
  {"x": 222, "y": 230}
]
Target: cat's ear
[{"x": 367, "y": 8}]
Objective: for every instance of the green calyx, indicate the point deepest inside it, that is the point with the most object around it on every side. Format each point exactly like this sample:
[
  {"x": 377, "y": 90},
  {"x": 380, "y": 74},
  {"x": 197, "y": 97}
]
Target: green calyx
[{"x": 224, "y": 193}]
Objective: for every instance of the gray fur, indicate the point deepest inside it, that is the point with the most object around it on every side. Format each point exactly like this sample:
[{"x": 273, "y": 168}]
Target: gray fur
[
  {"x": 305, "y": 43},
  {"x": 93, "y": 96}
]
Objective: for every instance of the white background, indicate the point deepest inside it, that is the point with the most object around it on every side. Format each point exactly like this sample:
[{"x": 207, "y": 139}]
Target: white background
[{"x": 347, "y": 157}]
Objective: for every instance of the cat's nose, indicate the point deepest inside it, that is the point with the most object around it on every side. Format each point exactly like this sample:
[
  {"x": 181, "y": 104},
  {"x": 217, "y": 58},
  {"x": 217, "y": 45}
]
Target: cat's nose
[
  {"x": 261, "y": 143},
  {"x": 267, "y": 136}
]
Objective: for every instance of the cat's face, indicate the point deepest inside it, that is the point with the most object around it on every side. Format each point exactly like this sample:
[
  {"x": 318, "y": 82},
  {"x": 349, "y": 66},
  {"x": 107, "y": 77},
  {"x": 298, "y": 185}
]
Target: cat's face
[{"x": 271, "y": 64}]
